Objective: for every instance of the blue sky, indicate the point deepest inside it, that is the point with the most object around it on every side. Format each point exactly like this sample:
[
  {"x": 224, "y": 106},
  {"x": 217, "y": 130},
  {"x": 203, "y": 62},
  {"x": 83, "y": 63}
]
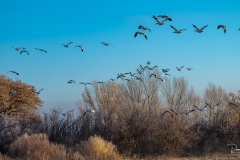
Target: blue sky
[{"x": 48, "y": 24}]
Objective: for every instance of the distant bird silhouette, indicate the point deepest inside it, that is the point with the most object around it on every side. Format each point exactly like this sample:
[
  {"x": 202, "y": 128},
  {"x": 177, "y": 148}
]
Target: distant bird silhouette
[
  {"x": 71, "y": 81},
  {"x": 148, "y": 63},
  {"x": 38, "y": 92},
  {"x": 167, "y": 74},
  {"x": 18, "y": 48},
  {"x": 112, "y": 79},
  {"x": 66, "y": 45},
  {"x": 166, "y": 17},
  {"x": 212, "y": 106},
  {"x": 81, "y": 47},
  {"x": 165, "y": 70},
  {"x": 223, "y": 27},
  {"x": 177, "y": 113},
  {"x": 135, "y": 35},
  {"x": 138, "y": 78},
  {"x": 85, "y": 83},
  {"x": 24, "y": 51},
  {"x": 176, "y": 30},
  {"x": 156, "y": 76},
  {"x": 64, "y": 114},
  {"x": 167, "y": 112},
  {"x": 100, "y": 82},
  {"x": 200, "y": 109},
  {"x": 189, "y": 112},
  {"x": 144, "y": 28},
  {"x": 179, "y": 69},
  {"x": 158, "y": 22},
  {"x": 88, "y": 111},
  {"x": 199, "y": 30},
  {"x": 13, "y": 72},
  {"x": 189, "y": 69},
  {"x": 42, "y": 50},
  {"x": 106, "y": 44}
]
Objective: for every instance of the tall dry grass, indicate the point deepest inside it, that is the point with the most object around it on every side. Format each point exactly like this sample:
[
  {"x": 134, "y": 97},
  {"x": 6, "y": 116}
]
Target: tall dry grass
[{"x": 37, "y": 147}]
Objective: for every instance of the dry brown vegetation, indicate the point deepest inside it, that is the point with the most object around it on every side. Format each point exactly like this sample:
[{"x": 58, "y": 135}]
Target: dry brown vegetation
[{"x": 128, "y": 121}]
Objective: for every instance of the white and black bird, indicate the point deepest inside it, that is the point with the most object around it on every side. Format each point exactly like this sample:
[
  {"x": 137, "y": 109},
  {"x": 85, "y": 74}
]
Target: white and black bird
[
  {"x": 177, "y": 113},
  {"x": 199, "y": 30},
  {"x": 177, "y": 30},
  {"x": 79, "y": 46},
  {"x": 179, "y": 69},
  {"x": 141, "y": 33},
  {"x": 88, "y": 111},
  {"x": 42, "y": 50},
  {"x": 144, "y": 28},
  {"x": 189, "y": 112},
  {"x": 64, "y": 114},
  {"x": 66, "y": 45},
  {"x": 165, "y": 17},
  {"x": 223, "y": 27}
]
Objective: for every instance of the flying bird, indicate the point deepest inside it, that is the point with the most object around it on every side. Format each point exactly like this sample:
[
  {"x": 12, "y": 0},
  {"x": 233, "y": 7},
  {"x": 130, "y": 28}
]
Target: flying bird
[
  {"x": 38, "y": 92},
  {"x": 71, "y": 81},
  {"x": 81, "y": 47},
  {"x": 144, "y": 28},
  {"x": 212, "y": 106},
  {"x": 189, "y": 69},
  {"x": 14, "y": 72},
  {"x": 167, "y": 112},
  {"x": 158, "y": 22},
  {"x": 166, "y": 17},
  {"x": 85, "y": 83},
  {"x": 155, "y": 76},
  {"x": 42, "y": 50},
  {"x": 24, "y": 51},
  {"x": 18, "y": 48},
  {"x": 66, "y": 45},
  {"x": 135, "y": 35},
  {"x": 64, "y": 114},
  {"x": 179, "y": 69},
  {"x": 199, "y": 30},
  {"x": 176, "y": 30},
  {"x": 177, "y": 113},
  {"x": 201, "y": 109},
  {"x": 223, "y": 27},
  {"x": 189, "y": 112},
  {"x": 106, "y": 44}
]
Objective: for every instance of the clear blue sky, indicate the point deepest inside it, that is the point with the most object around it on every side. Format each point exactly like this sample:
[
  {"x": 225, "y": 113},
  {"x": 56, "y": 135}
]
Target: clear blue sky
[{"x": 47, "y": 24}]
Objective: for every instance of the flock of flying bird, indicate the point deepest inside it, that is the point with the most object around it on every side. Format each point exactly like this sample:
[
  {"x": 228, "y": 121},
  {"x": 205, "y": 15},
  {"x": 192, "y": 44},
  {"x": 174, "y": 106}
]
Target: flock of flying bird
[
  {"x": 160, "y": 20},
  {"x": 167, "y": 18},
  {"x": 122, "y": 76},
  {"x": 172, "y": 112}
]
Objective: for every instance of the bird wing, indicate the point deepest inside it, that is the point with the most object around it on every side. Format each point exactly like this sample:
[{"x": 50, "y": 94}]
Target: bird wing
[
  {"x": 174, "y": 28},
  {"x": 182, "y": 30},
  {"x": 135, "y": 35},
  {"x": 196, "y": 27},
  {"x": 203, "y": 27},
  {"x": 145, "y": 36}
]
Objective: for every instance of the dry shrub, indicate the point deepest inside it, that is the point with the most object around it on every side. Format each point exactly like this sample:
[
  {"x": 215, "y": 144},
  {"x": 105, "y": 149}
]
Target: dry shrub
[
  {"x": 37, "y": 147},
  {"x": 97, "y": 148}
]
